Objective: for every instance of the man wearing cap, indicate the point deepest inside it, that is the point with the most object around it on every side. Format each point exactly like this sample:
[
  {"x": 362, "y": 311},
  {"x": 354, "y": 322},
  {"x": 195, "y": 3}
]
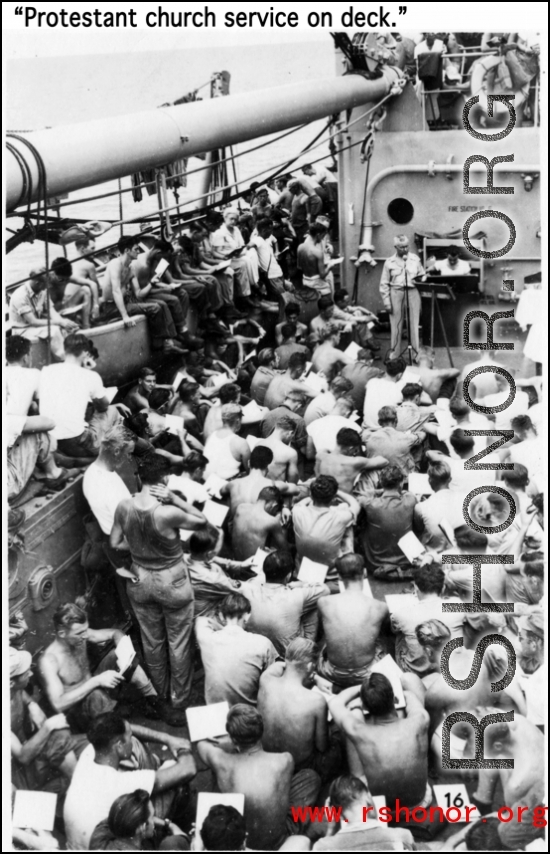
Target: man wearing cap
[
  {"x": 531, "y": 674},
  {"x": 29, "y": 313},
  {"x": 397, "y": 282},
  {"x": 43, "y": 751},
  {"x": 452, "y": 265}
]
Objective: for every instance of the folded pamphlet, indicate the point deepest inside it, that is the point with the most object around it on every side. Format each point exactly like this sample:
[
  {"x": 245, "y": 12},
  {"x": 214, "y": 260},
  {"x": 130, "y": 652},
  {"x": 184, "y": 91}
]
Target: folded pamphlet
[
  {"x": 312, "y": 572},
  {"x": 419, "y": 484},
  {"x": 125, "y": 653},
  {"x": 215, "y": 513},
  {"x": 411, "y": 546},
  {"x": 352, "y": 350},
  {"x": 34, "y": 810}
]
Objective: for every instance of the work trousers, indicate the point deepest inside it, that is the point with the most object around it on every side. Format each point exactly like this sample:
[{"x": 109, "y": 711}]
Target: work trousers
[
  {"x": 177, "y": 301},
  {"x": 163, "y": 604},
  {"x": 89, "y": 442},
  {"x": 397, "y": 318},
  {"x": 29, "y": 450},
  {"x": 158, "y": 317}
]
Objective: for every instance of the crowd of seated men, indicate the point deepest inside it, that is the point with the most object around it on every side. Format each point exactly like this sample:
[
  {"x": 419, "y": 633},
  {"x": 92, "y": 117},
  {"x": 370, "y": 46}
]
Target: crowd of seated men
[{"x": 249, "y": 518}]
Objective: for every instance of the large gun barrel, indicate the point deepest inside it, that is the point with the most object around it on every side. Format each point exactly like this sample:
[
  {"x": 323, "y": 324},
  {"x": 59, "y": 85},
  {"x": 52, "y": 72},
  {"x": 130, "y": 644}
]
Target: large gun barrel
[{"x": 89, "y": 153}]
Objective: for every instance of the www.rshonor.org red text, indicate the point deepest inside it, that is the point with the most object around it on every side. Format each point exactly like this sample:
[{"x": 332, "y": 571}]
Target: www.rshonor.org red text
[{"x": 419, "y": 814}]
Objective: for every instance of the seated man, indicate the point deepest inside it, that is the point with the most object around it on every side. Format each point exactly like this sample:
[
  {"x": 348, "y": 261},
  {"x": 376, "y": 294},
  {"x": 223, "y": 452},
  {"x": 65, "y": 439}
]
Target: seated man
[
  {"x": 436, "y": 382},
  {"x": 428, "y": 583},
  {"x": 352, "y": 623},
  {"x": 360, "y": 373},
  {"x": 327, "y": 358},
  {"x": 328, "y": 315},
  {"x": 280, "y": 386},
  {"x": 227, "y": 393},
  {"x": 284, "y": 465},
  {"x": 443, "y": 504},
  {"x": 210, "y": 574},
  {"x": 137, "y": 398},
  {"x": 356, "y": 831},
  {"x": 346, "y": 463},
  {"x": 66, "y": 390},
  {"x": 233, "y": 658},
  {"x": 257, "y": 526},
  {"x": 292, "y": 313},
  {"x": 228, "y": 244},
  {"x": 383, "y": 391},
  {"x": 325, "y": 402},
  {"x": 283, "y": 609},
  {"x": 227, "y": 453},
  {"x": 391, "y": 749},
  {"x": 245, "y": 490},
  {"x": 295, "y": 718},
  {"x": 161, "y": 287},
  {"x": 224, "y": 829},
  {"x": 66, "y": 674},
  {"x": 70, "y": 290},
  {"x": 267, "y": 363},
  {"x": 31, "y": 452},
  {"x": 388, "y": 441},
  {"x": 410, "y": 415},
  {"x": 323, "y": 432},
  {"x": 268, "y": 780},
  {"x": 101, "y": 775},
  {"x": 289, "y": 345},
  {"x": 29, "y": 313},
  {"x": 132, "y": 824},
  {"x": 121, "y": 300},
  {"x": 323, "y": 524},
  {"x": 291, "y": 406},
  {"x": 43, "y": 750},
  {"x": 389, "y": 516}
]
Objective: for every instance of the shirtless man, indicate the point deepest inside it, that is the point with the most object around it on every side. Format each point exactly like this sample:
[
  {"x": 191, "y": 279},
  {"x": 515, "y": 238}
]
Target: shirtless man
[
  {"x": 282, "y": 384},
  {"x": 295, "y": 718},
  {"x": 85, "y": 269},
  {"x": 311, "y": 260},
  {"x": 347, "y": 462},
  {"x": 352, "y": 623},
  {"x": 432, "y": 379},
  {"x": 390, "y": 749},
  {"x": 267, "y": 780},
  {"x": 258, "y": 525},
  {"x": 519, "y": 740},
  {"x": 121, "y": 300},
  {"x": 285, "y": 459},
  {"x": 327, "y": 359},
  {"x": 64, "y": 668},
  {"x": 245, "y": 490}
]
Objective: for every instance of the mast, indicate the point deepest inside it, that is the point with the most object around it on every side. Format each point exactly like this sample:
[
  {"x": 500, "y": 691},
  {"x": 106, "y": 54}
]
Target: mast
[{"x": 89, "y": 153}]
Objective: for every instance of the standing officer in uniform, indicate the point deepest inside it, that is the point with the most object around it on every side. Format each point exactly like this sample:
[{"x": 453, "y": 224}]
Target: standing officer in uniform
[{"x": 398, "y": 275}]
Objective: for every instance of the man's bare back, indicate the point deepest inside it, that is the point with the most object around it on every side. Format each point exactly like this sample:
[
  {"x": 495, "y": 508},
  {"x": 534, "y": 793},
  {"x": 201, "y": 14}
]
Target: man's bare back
[
  {"x": 283, "y": 456},
  {"x": 264, "y": 779},
  {"x": 251, "y": 529},
  {"x": 310, "y": 258},
  {"x": 344, "y": 468},
  {"x": 326, "y": 357},
  {"x": 295, "y": 718},
  {"x": 245, "y": 490},
  {"x": 351, "y": 625},
  {"x": 432, "y": 379},
  {"x": 394, "y": 755}
]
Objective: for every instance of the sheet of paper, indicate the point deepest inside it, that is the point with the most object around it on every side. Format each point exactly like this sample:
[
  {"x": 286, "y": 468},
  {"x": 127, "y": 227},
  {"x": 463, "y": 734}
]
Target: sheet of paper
[
  {"x": 205, "y": 802},
  {"x": 454, "y": 795},
  {"x": 252, "y": 412},
  {"x": 35, "y": 810},
  {"x": 161, "y": 267},
  {"x": 178, "y": 380},
  {"x": 312, "y": 572},
  {"x": 334, "y": 261},
  {"x": 309, "y": 365},
  {"x": 185, "y": 535},
  {"x": 207, "y": 721},
  {"x": 215, "y": 513},
  {"x": 419, "y": 484},
  {"x": 125, "y": 653},
  {"x": 250, "y": 356},
  {"x": 316, "y": 382},
  {"x": 213, "y": 484},
  {"x": 366, "y": 588},
  {"x": 411, "y": 546},
  {"x": 111, "y": 392},
  {"x": 399, "y": 601},
  {"x": 174, "y": 424},
  {"x": 352, "y": 350},
  {"x": 389, "y": 668}
]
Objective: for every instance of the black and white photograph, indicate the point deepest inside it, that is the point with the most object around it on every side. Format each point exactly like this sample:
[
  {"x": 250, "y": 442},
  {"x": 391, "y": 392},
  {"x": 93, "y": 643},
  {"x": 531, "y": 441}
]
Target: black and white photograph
[{"x": 274, "y": 420}]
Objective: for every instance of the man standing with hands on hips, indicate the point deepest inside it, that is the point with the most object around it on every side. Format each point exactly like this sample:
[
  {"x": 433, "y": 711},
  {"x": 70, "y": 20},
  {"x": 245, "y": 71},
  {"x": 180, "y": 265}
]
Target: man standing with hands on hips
[{"x": 397, "y": 282}]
